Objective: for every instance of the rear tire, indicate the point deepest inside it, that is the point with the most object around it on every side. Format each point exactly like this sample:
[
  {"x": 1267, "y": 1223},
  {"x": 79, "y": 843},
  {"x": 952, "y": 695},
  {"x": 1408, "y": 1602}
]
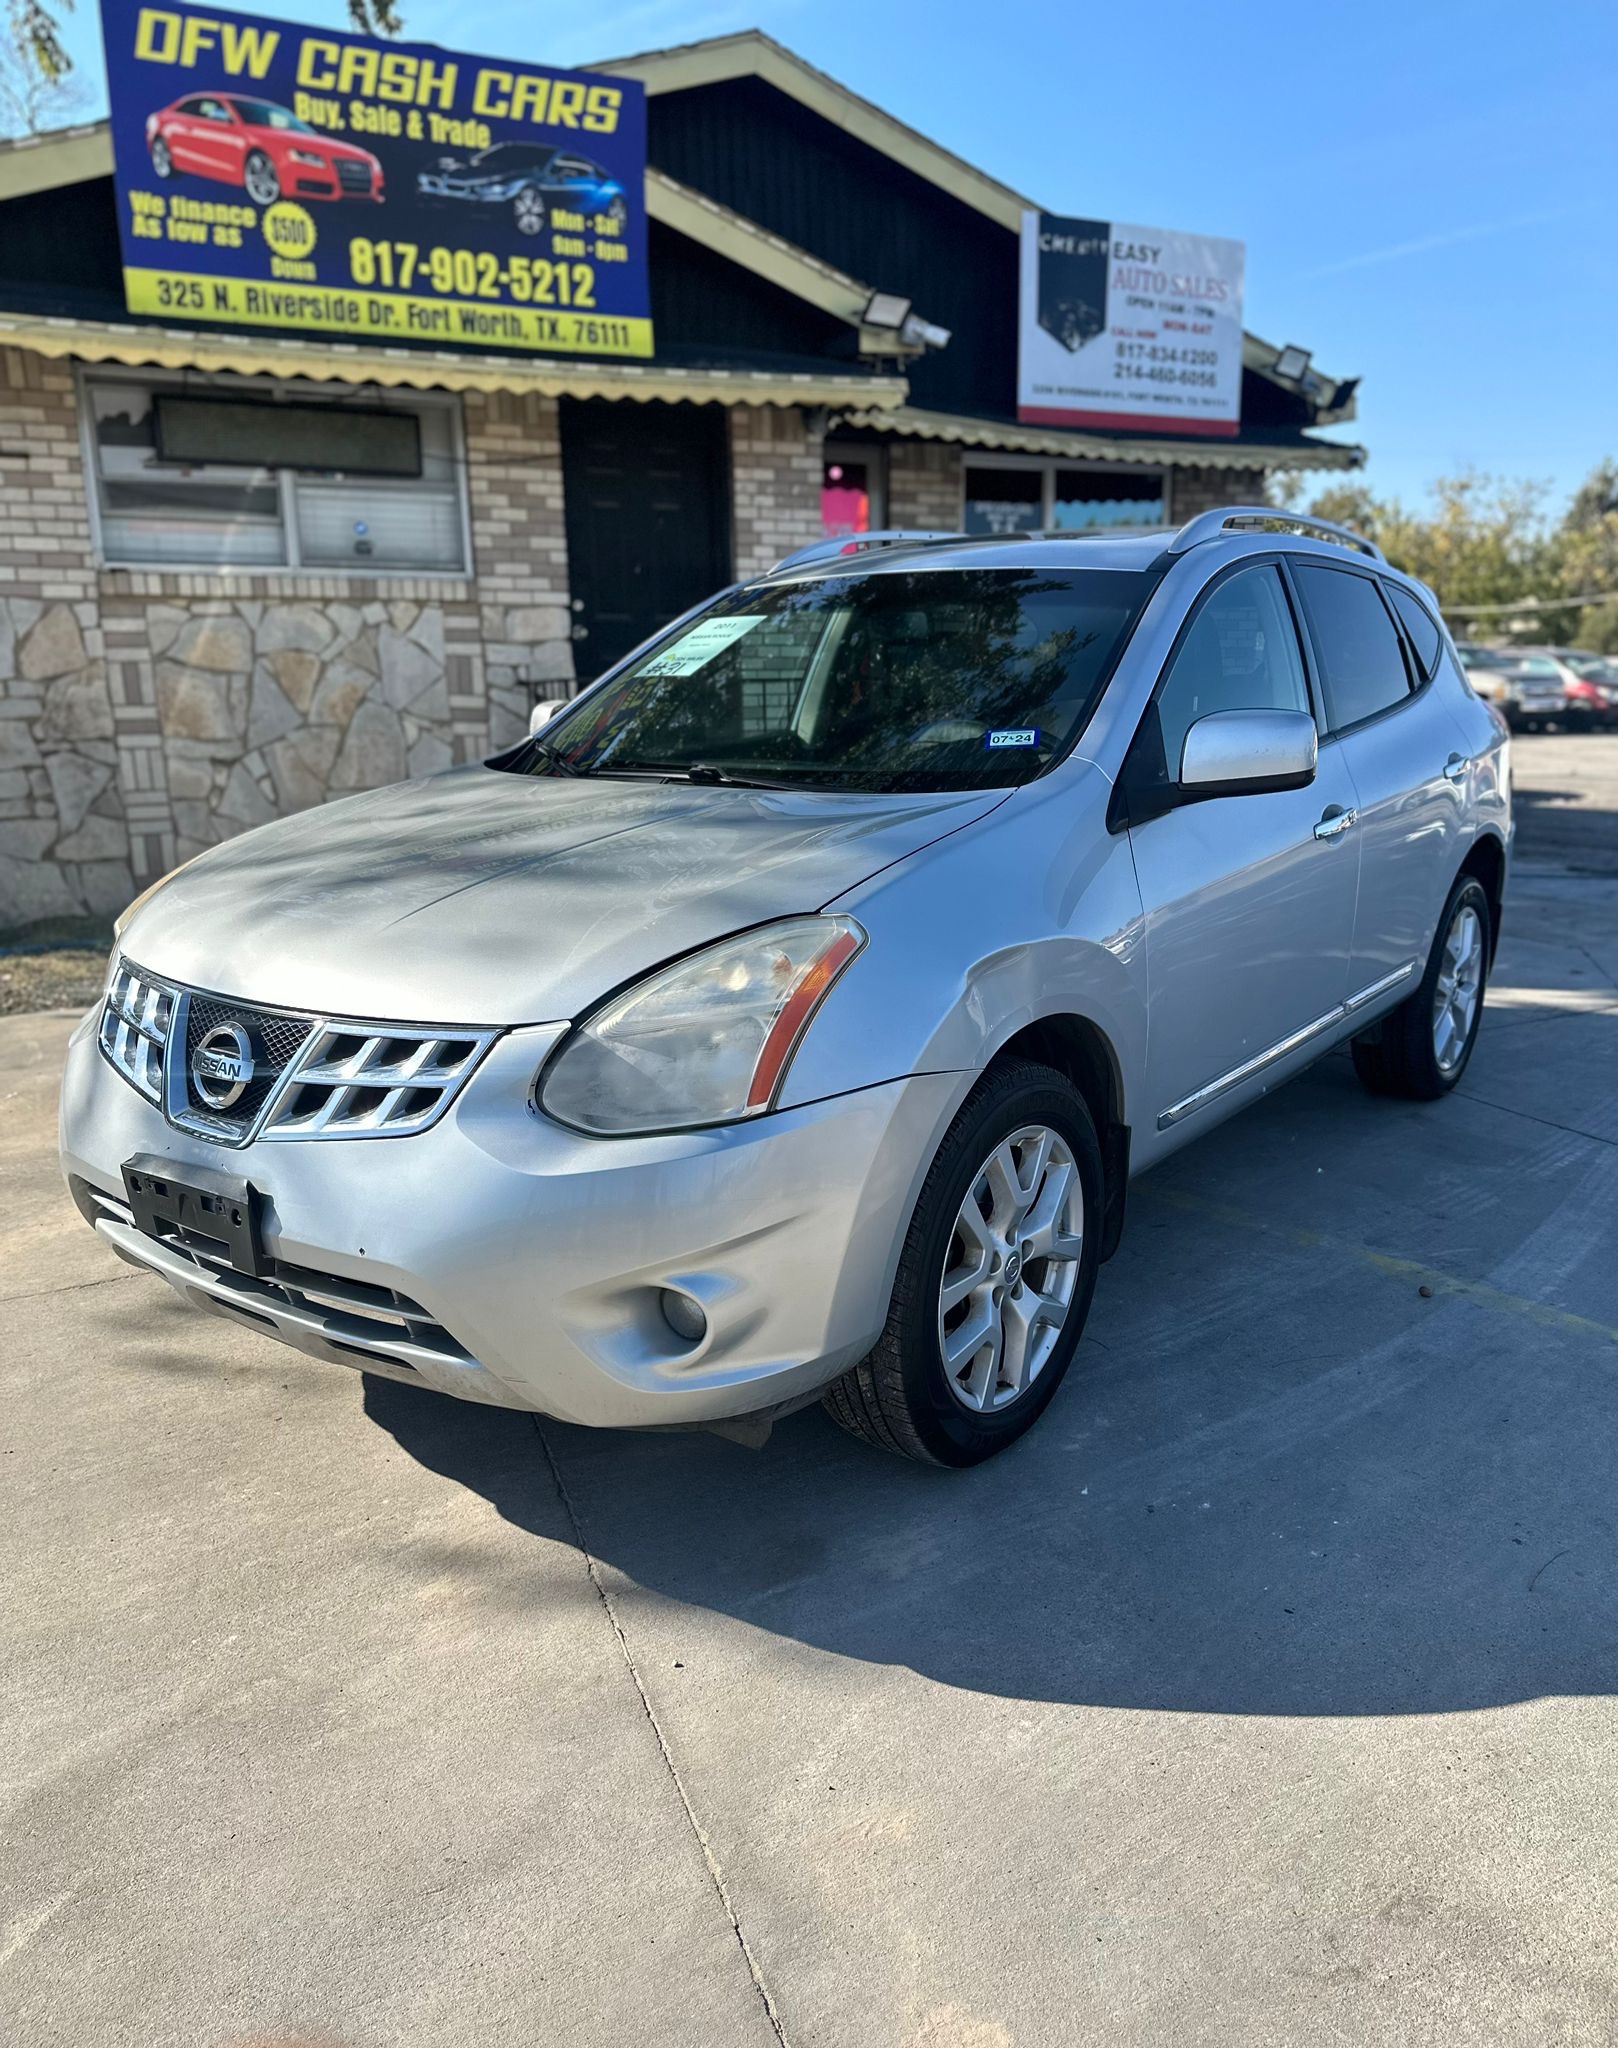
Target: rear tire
[
  {"x": 1009, "y": 1220},
  {"x": 1420, "y": 1050}
]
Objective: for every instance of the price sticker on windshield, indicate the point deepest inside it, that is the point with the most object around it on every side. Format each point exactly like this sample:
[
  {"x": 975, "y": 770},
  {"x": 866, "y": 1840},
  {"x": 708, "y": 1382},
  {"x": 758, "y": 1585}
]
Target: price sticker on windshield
[{"x": 705, "y": 642}]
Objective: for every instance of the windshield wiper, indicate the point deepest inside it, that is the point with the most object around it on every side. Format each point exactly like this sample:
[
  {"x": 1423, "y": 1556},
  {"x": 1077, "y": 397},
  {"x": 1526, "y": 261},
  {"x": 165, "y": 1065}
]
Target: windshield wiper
[
  {"x": 552, "y": 758},
  {"x": 699, "y": 771}
]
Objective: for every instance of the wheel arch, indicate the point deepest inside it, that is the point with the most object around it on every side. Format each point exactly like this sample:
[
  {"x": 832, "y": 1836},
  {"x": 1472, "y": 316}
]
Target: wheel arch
[
  {"x": 1486, "y": 860},
  {"x": 1077, "y": 1047}
]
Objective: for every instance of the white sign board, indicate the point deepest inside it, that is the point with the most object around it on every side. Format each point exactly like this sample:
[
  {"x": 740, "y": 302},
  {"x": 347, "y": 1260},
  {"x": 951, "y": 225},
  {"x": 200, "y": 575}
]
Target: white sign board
[{"x": 1126, "y": 327}]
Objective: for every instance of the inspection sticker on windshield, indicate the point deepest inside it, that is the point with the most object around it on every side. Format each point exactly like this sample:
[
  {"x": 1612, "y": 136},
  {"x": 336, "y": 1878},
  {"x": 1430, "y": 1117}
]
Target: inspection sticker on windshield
[
  {"x": 1013, "y": 736},
  {"x": 706, "y": 639}
]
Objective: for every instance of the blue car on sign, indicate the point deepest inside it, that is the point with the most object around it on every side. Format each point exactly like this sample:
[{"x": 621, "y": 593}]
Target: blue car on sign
[{"x": 531, "y": 180}]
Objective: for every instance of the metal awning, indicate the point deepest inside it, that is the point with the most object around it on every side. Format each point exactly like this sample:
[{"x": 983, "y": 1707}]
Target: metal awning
[
  {"x": 1007, "y": 437},
  {"x": 168, "y": 348}
]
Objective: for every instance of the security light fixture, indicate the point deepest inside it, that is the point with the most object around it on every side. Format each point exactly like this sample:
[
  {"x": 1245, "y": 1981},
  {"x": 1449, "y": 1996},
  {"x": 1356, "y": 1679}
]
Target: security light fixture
[
  {"x": 885, "y": 309},
  {"x": 919, "y": 333},
  {"x": 1291, "y": 363}
]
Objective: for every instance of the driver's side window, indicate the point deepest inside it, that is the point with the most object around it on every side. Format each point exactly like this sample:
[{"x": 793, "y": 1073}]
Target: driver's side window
[{"x": 1240, "y": 654}]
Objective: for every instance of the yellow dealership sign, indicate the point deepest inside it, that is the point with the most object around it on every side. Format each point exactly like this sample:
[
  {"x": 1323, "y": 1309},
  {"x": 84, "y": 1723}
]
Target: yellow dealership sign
[{"x": 272, "y": 176}]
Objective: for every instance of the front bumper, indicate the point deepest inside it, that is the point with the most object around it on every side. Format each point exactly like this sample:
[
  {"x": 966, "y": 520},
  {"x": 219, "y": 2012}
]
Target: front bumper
[{"x": 530, "y": 1260}]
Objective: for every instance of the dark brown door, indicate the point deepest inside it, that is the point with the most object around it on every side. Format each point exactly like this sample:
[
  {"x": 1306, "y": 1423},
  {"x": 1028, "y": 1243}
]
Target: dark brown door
[{"x": 648, "y": 525}]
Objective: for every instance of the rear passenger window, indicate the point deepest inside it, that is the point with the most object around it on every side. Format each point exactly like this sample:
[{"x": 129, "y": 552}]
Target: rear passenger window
[
  {"x": 1361, "y": 660},
  {"x": 1418, "y": 623},
  {"x": 1240, "y": 654}
]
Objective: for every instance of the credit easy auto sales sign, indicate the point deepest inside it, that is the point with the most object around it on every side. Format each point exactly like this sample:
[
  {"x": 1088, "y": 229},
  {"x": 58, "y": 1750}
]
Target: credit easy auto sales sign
[
  {"x": 1125, "y": 327},
  {"x": 272, "y": 175}
]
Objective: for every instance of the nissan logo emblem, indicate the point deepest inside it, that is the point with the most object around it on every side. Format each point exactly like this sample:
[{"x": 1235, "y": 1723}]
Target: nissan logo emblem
[{"x": 222, "y": 1066}]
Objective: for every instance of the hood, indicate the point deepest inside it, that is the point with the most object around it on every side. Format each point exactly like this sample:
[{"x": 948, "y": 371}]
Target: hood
[{"x": 480, "y": 897}]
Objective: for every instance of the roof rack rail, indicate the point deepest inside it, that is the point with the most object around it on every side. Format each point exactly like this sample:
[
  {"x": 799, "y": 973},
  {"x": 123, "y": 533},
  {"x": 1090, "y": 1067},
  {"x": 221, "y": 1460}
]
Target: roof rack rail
[
  {"x": 1225, "y": 518},
  {"x": 860, "y": 543}
]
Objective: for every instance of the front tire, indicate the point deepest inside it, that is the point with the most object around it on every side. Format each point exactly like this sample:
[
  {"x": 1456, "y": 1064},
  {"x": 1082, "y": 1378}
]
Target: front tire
[
  {"x": 1420, "y": 1050},
  {"x": 162, "y": 161},
  {"x": 261, "y": 179},
  {"x": 529, "y": 212},
  {"x": 995, "y": 1278}
]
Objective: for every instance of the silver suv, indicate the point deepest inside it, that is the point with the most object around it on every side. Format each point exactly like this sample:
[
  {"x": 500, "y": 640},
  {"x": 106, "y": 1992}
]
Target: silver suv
[{"x": 787, "y": 1018}]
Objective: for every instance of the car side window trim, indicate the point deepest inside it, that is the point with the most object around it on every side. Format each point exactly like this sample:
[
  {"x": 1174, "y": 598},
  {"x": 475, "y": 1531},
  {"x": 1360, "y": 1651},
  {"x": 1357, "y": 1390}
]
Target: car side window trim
[
  {"x": 1421, "y": 675},
  {"x": 1117, "y": 808},
  {"x": 1413, "y": 688}
]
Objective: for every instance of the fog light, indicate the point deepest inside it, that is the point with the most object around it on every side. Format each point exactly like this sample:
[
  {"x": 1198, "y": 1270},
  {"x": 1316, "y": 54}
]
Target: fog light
[{"x": 683, "y": 1316}]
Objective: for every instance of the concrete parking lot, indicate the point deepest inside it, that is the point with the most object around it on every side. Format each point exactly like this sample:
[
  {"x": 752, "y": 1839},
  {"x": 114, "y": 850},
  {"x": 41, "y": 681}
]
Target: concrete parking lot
[{"x": 1266, "y": 1693}]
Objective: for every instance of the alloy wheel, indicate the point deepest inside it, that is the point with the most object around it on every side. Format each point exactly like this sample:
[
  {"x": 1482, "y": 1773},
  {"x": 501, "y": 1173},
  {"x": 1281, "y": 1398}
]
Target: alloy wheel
[
  {"x": 530, "y": 212},
  {"x": 1011, "y": 1269},
  {"x": 162, "y": 162},
  {"x": 1458, "y": 989},
  {"x": 263, "y": 186}
]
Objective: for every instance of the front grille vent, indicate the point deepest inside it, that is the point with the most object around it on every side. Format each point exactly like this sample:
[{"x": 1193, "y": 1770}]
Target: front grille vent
[
  {"x": 313, "y": 1077},
  {"x": 351, "y": 1083},
  {"x": 352, "y": 176},
  {"x": 135, "y": 1027}
]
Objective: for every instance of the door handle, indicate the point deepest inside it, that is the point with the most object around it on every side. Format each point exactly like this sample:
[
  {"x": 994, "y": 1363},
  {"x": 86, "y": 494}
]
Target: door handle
[
  {"x": 1455, "y": 768},
  {"x": 1335, "y": 822}
]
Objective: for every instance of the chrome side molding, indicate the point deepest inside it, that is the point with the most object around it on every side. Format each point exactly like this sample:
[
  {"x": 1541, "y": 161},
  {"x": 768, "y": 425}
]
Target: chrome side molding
[{"x": 1294, "y": 1040}]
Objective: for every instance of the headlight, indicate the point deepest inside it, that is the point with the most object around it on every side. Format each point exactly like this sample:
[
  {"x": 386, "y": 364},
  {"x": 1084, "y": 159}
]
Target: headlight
[
  {"x": 307, "y": 156},
  {"x": 706, "y": 1041}
]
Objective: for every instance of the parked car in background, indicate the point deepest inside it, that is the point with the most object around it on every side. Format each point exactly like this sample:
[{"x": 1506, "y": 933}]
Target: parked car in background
[
  {"x": 1592, "y": 684},
  {"x": 1529, "y": 689},
  {"x": 263, "y": 148},
  {"x": 787, "y": 1016},
  {"x": 529, "y": 178}
]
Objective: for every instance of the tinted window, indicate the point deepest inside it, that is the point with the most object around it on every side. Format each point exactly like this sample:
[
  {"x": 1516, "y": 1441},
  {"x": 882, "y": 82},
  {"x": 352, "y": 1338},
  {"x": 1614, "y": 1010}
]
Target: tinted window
[
  {"x": 1360, "y": 656},
  {"x": 1240, "y": 654},
  {"x": 933, "y": 679},
  {"x": 1418, "y": 623},
  {"x": 265, "y": 114}
]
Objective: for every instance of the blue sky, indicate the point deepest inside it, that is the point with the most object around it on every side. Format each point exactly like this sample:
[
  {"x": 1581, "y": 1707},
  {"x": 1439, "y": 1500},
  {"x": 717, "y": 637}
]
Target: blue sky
[{"x": 1428, "y": 194}]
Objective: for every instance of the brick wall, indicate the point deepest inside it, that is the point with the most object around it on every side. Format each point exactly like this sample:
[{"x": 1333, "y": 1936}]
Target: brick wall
[
  {"x": 924, "y": 486},
  {"x": 776, "y": 466},
  {"x": 1199, "y": 490},
  {"x": 68, "y": 751},
  {"x": 146, "y": 715}
]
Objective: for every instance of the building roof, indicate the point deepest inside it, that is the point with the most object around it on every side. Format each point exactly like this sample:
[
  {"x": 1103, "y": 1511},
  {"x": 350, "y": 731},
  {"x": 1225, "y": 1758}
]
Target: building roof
[{"x": 871, "y": 377}]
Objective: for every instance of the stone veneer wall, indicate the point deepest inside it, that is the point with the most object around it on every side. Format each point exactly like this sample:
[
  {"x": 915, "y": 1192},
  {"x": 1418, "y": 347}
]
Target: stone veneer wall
[{"x": 145, "y": 715}]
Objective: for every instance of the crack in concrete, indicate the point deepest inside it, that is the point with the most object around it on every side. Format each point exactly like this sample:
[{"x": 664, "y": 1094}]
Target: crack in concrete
[
  {"x": 715, "y": 1872},
  {"x": 67, "y": 1287}
]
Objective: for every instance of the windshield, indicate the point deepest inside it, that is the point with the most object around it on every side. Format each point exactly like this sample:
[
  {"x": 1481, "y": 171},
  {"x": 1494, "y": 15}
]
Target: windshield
[
  {"x": 262, "y": 114},
  {"x": 927, "y": 680}
]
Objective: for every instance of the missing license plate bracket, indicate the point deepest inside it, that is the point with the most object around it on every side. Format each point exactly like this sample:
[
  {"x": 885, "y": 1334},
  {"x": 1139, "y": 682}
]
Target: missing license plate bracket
[{"x": 197, "y": 1202}]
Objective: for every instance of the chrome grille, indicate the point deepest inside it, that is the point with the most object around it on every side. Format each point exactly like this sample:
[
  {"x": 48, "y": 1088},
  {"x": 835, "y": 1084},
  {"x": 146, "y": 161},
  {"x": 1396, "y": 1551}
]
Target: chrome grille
[
  {"x": 352, "y": 176},
  {"x": 275, "y": 1039},
  {"x": 351, "y": 1083},
  {"x": 314, "y": 1077},
  {"x": 135, "y": 1023}
]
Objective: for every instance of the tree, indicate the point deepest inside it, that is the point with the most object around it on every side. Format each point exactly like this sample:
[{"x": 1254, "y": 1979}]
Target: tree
[
  {"x": 36, "y": 90},
  {"x": 1495, "y": 559},
  {"x": 37, "y": 86}
]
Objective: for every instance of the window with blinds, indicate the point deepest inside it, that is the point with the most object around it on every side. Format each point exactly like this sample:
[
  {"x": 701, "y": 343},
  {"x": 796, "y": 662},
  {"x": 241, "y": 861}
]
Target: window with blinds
[{"x": 155, "y": 509}]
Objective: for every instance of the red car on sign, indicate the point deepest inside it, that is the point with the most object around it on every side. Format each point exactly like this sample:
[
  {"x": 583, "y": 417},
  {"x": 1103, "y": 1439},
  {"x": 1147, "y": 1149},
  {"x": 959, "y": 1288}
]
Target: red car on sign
[{"x": 263, "y": 148}]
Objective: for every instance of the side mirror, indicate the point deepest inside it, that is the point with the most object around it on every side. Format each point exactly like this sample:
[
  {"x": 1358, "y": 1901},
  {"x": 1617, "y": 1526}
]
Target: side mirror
[
  {"x": 1235, "y": 753},
  {"x": 544, "y": 711}
]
